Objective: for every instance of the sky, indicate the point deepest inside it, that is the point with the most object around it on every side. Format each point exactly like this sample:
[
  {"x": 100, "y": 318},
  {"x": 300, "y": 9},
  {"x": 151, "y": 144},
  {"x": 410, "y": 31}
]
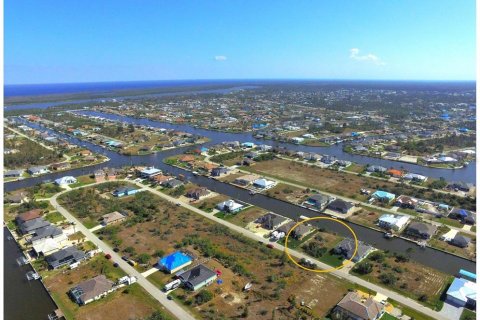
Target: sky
[{"x": 92, "y": 41}]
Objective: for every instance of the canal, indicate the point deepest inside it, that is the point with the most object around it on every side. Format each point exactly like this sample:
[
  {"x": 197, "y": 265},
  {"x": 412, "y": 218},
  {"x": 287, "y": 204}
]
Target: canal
[
  {"x": 23, "y": 299},
  {"x": 430, "y": 257}
]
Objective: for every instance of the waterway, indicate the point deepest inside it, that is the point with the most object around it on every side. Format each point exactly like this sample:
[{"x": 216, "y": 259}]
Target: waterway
[
  {"x": 23, "y": 299},
  {"x": 430, "y": 257}
]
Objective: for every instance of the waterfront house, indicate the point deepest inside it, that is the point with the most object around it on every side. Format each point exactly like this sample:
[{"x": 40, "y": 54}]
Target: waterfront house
[
  {"x": 37, "y": 170},
  {"x": 271, "y": 221},
  {"x": 174, "y": 262},
  {"x": 17, "y": 197},
  {"x": 220, "y": 171},
  {"x": 341, "y": 206},
  {"x": 245, "y": 180},
  {"x": 160, "y": 179},
  {"x": 198, "y": 193},
  {"x": 461, "y": 186},
  {"x": 393, "y": 221},
  {"x": 124, "y": 191},
  {"x": 48, "y": 232},
  {"x": 29, "y": 227},
  {"x": 99, "y": 175},
  {"x": 354, "y": 306},
  {"x": 298, "y": 233},
  {"x": 198, "y": 277},
  {"x": 65, "y": 181},
  {"x": 462, "y": 293},
  {"x": 230, "y": 206},
  {"x": 113, "y": 217},
  {"x": 460, "y": 241},
  {"x": 65, "y": 256},
  {"x": 395, "y": 173},
  {"x": 149, "y": 172},
  {"x": 319, "y": 201},
  {"x": 187, "y": 158},
  {"x": 263, "y": 183},
  {"x": 415, "y": 177},
  {"x": 13, "y": 174},
  {"x": 420, "y": 230},
  {"x": 373, "y": 168},
  {"x": 47, "y": 246},
  {"x": 92, "y": 289},
  {"x": 28, "y": 215},
  {"x": 346, "y": 248},
  {"x": 60, "y": 166}
]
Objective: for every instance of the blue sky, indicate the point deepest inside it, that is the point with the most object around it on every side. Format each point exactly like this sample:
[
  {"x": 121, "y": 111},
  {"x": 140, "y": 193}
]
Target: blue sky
[{"x": 87, "y": 41}]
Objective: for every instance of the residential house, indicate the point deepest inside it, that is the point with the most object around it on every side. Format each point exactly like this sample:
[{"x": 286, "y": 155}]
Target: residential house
[
  {"x": 29, "y": 227},
  {"x": 328, "y": 159},
  {"x": 420, "y": 230},
  {"x": 245, "y": 180},
  {"x": 406, "y": 202},
  {"x": 124, "y": 191},
  {"x": 465, "y": 216},
  {"x": 198, "y": 193},
  {"x": 92, "y": 289},
  {"x": 38, "y": 170},
  {"x": 346, "y": 248},
  {"x": 462, "y": 293},
  {"x": 415, "y": 177},
  {"x": 60, "y": 166},
  {"x": 393, "y": 221},
  {"x": 198, "y": 277},
  {"x": 271, "y": 221},
  {"x": 65, "y": 181},
  {"x": 461, "y": 186},
  {"x": 395, "y": 173},
  {"x": 173, "y": 183},
  {"x": 65, "y": 256},
  {"x": 99, "y": 175},
  {"x": 46, "y": 246},
  {"x": 28, "y": 215},
  {"x": 13, "y": 174},
  {"x": 46, "y": 232},
  {"x": 383, "y": 196},
  {"x": 355, "y": 307},
  {"x": 460, "y": 241},
  {"x": 85, "y": 153},
  {"x": 220, "y": 171},
  {"x": 263, "y": 183},
  {"x": 160, "y": 179},
  {"x": 113, "y": 217},
  {"x": 187, "y": 158},
  {"x": 149, "y": 172},
  {"x": 174, "y": 262},
  {"x": 17, "y": 197},
  {"x": 230, "y": 206},
  {"x": 319, "y": 201},
  {"x": 341, "y": 206},
  {"x": 298, "y": 233},
  {"x": 373, "y": 168}
]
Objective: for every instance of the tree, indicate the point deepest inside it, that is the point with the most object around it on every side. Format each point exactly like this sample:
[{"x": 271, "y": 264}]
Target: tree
[
  {"x": 131, "y": 128},
  {"x": 363, "y": 267},
  {"x": 203, "y": 296},
  {"x": 144, "y": 258},
  {"x": 388, "y": 278}
]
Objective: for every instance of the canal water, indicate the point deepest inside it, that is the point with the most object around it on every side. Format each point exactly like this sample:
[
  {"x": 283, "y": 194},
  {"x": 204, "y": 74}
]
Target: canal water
[
  {"x": 23, "y": 299},
  {"x": 430, "y": 257}
]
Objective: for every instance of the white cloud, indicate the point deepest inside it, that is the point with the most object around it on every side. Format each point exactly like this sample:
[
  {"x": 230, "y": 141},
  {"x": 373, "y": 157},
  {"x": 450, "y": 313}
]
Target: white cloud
[
  {"x": 355, "y": 55},
  {"x": 220, "y": 58}
]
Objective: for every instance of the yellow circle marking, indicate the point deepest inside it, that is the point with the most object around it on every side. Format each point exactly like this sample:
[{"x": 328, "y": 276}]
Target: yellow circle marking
[{"x": 345, "y": 262}]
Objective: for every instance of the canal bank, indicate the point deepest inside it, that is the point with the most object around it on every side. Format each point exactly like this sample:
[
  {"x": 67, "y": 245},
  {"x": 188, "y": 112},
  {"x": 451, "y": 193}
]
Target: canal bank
[{"x": 23, "y": 299}]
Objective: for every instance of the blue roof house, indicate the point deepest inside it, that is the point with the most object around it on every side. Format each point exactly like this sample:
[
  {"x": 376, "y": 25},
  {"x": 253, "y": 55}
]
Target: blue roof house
[
  {"x": 383, "y": 196},
  {"x": 174, "y": 262},
  {"x": 462, "y": 293},
  {"x": 124, "y": 191},
  {"x": 248, "y": 144}
]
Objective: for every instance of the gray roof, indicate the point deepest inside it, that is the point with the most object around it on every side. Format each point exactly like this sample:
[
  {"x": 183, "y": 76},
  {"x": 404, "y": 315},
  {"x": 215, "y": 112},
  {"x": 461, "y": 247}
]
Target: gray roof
[
  {"x": 271, "y": 220},
  {"x": 319, "y": 198},
  {"x": 46, "y": 232},
  {"x": 346, "y": 247},
  {"x": 173, "y": 183},
  {"x": 339, "y": 204},
  {"x": 422, "y": 228},
  {"x": 64, "y": 256},
  {"x": 31, "y": 225},
  {"x": 197, "y": 275},
  {"x": 92, "y": 288},
  {"x": 460, "y": 240}
]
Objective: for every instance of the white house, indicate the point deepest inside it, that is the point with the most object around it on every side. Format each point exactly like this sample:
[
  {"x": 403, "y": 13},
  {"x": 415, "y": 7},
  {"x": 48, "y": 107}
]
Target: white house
[
  {"x": 297, "y": 140},
  {"x": 393, "y": 221},
  {"x": 230, "y": 206},
  {"x": 65, "y": 181},
  {"x": 263, "y": 183}
]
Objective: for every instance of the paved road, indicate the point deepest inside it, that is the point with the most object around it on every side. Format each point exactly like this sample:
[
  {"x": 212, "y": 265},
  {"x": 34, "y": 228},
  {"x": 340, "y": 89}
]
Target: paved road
[
  {"x": 342, "y": 273},
  {"x": 170, "y": 305}
]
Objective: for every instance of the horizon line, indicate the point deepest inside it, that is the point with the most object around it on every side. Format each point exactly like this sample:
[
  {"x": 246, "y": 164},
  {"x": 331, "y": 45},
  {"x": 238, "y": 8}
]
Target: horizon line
[{"x": 246, "y": 79}]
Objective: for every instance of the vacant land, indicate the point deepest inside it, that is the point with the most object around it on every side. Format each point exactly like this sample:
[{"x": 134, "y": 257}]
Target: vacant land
[
  {"x": 288, "y": 193},
  {"x": 131, "y": 302},
  {"x": 348, "y": 185},
  {"x": 243, "y": 217},
  {"x": 28, "y": 153},
  {"x": 275, "y": 280},
  {"x": 409, "y": 278}
]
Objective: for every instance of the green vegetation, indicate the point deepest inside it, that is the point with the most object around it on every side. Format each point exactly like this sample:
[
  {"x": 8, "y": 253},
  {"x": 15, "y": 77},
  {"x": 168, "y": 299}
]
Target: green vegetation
[
  {"x": 468, "y": 315},
  {"x": 29, "y": 154},
  {"x": 221, "y": 158}
]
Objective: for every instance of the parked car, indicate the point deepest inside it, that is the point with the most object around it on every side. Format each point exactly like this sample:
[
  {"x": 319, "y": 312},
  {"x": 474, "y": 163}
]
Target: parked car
[
  {"x": 270, "y": 246},
  {"x": 108, "y": 256}
]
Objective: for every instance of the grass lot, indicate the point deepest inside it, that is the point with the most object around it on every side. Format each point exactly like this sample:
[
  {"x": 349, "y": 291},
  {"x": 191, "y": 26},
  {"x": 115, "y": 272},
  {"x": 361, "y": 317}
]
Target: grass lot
[
  {"x": 210, "y": 203},
  {"x": 241, "y": 260},
  {"x": 288, "y": 193},
  {"x": 387, "y": 316},
  {"x": 412, "y": 313},
  {"x": 355, "y": 168},
  {"x": 243, "y": 217},
  {"x": 54, "y": 217},
  {"x": 345, "y": 184},
  {"x": 82, "y": 181},
  {"x": 366, "y": 216},
  {"x": 409, "y": 278},
  {"x": 130, "y": 302}
]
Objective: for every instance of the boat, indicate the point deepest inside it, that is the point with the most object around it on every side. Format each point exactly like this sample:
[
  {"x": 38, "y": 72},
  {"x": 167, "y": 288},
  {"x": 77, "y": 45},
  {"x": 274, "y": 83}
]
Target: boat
[
  {"x": 252, "y": 193},
  {"x": 422, "y": 244},
  {"x": 248, "y": 286},
  {"x": 195, "y": 173},
  {"x": 22, "y": 261},
  {"x": 388, "y": 235},
  {"x": 32, "y": 275}
]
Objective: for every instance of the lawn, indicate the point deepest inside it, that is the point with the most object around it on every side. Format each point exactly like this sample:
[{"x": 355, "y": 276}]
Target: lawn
[
  {"x": 244, "y": 217},
  {"x": 468, "y": 315},
  {"x": 54, "y": 217}
]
